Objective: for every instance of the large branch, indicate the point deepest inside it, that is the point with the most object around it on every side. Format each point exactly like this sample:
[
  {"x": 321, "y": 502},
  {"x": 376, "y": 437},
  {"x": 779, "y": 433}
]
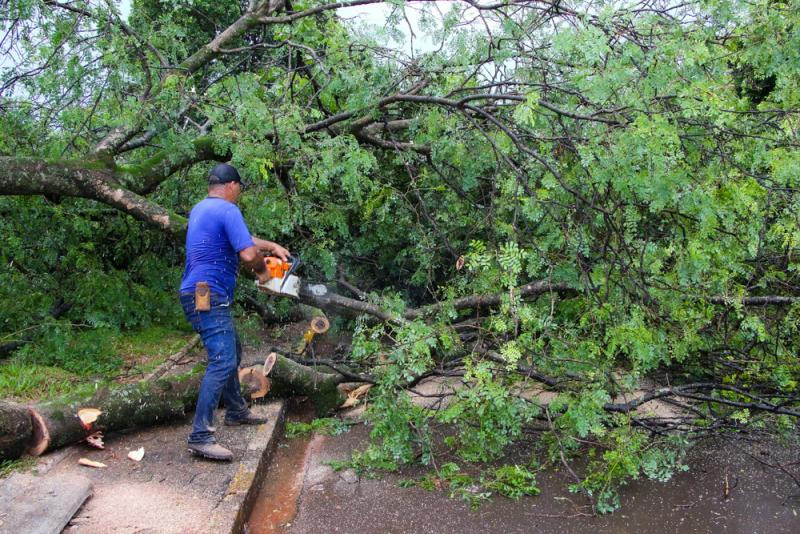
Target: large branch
[
  {"x": 144, "y": 177},
  {"x": 485, "y": 301},
  {"x": 291, "y": 17},
  {"x": 91, "y": 180},
  {"x": 322, "y": 296},
  {"x": 119, "y": 186},
  {"x": 689, "y": 391},
  {"x": 766, "y": 300},
  {"x": 250, "y": 19}
]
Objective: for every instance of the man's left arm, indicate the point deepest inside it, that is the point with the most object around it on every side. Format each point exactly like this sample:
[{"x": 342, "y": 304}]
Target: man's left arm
[{"x": 271, "y": 247}]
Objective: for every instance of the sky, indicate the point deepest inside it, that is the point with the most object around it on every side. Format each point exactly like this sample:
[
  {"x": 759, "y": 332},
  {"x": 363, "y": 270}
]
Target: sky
[{"x": 373, "y": 15}]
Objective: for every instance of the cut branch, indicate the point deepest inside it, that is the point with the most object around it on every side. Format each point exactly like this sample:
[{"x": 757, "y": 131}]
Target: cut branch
[{"x": 485, "y": 301}]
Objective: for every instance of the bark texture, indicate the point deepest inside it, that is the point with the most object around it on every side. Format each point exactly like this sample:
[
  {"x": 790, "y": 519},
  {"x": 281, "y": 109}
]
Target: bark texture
[
  {"x": 15, "y": 429},
  {"x": 145, "y": 403},
  {"x": 291, "y": 378}
]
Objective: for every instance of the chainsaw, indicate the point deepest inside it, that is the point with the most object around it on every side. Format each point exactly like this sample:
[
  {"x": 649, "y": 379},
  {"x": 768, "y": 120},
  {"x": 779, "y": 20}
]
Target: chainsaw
[{"x": 282, "y": 280}]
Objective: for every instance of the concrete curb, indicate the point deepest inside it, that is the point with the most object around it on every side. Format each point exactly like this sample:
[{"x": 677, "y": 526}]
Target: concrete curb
[{"x": 237, "y": 504}]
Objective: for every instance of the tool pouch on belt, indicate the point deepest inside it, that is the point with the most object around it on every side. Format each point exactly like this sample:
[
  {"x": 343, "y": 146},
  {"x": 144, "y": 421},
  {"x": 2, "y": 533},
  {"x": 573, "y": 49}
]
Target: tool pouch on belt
[{"x": 202, "y": 297}]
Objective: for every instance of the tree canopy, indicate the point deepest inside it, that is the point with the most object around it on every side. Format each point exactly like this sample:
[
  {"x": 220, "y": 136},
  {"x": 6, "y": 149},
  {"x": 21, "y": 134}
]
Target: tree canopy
[{"x": 599, "y": 197}]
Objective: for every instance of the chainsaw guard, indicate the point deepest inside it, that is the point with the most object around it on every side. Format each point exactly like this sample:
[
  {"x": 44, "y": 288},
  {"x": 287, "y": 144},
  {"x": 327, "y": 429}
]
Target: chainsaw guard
[{"x": 291, "y": 286}]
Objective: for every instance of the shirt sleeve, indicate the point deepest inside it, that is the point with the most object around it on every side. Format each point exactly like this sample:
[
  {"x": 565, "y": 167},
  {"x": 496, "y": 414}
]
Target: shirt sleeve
[{"x": 236, "y": 230}]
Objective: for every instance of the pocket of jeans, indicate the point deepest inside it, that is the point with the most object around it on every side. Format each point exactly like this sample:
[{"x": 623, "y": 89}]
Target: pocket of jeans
[{"x": 219, "y": 301}]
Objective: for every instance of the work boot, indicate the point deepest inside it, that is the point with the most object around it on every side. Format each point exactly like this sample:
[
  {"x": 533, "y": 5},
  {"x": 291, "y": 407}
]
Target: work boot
[
  {"x": 249, "y": 419},
  {"x": 214, "y": 451}
]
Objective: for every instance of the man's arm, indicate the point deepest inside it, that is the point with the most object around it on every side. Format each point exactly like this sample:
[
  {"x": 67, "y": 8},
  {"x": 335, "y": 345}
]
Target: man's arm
[
  {"x": 253, "y": 260},
  {"x": 274, "y": 248}
]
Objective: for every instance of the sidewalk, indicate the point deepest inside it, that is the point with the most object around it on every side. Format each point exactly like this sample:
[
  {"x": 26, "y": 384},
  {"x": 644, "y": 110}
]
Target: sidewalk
[{"x": 170, "y": 490}]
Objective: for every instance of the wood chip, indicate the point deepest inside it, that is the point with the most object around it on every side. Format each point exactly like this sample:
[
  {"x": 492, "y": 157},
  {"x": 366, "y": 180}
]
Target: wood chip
[
  {"x": 354, "y": 396},
  {"x": 91, "y": 463},
  {"x": 137, "y": 455},
  {"x": 95, "y": 440}
]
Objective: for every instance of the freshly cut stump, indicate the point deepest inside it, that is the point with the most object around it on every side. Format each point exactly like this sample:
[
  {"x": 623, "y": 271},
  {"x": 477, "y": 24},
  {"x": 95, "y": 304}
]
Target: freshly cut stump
[{"x": 254, "y": 379}]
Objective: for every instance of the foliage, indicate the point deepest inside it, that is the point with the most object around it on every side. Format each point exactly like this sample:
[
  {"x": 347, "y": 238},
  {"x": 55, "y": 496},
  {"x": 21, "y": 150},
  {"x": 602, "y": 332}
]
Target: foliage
[
  {"x": 324, "y": 425},
  {"x": 638, "y": 159},
  {"x": 65, "y": 359},
  {"x": 400, "y": 432},
  {"x": 486, "y": 416},
  {"x": 458, "y": 484},
  {"x": 513, "y": 481},
  {"x": 630, "y": 454},
  {"x": 87, "y": 353}
]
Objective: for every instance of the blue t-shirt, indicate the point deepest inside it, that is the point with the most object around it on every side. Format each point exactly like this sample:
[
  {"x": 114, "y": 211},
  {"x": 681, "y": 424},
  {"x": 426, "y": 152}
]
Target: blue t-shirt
[{"x": 216, "y": 234}]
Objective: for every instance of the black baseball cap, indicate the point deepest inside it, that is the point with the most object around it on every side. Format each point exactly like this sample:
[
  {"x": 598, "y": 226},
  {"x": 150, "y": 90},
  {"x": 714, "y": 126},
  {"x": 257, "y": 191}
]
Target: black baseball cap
[{"x": 223, "y": 173}]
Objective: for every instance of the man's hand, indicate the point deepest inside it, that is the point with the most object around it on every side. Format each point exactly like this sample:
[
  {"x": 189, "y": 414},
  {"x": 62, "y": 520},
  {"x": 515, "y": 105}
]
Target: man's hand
[
  {"x": 280, "y": 252},
  {"x": 272, "y": 248},
  {"x": 263, "y": 278},
  {"x": 253, "y": 260}
]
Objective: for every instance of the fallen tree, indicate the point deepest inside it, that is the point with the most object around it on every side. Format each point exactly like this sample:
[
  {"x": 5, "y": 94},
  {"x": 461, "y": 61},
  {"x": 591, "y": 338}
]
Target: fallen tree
[
  {"x": 40, "y": 428},
  {"x": 611, "y": 217}
]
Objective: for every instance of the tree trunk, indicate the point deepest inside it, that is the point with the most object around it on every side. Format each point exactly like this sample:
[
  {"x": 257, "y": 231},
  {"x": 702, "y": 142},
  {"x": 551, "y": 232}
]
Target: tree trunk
[
  {"x": 15, "y": 429},
  {"x": 291, "y": 378},
  {"x": 145, "y": 403},
  {"x": 44, "y": 427}
]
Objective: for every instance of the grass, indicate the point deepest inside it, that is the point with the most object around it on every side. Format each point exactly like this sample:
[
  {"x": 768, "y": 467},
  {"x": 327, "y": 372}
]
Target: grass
[
  {"x": 33, "y": 375},
  {"x": 9, "y": 466},
  {"x": 143, "y": 350},
  {"x": 153, "y": 341},
  {"x": 23, "y": 382}
]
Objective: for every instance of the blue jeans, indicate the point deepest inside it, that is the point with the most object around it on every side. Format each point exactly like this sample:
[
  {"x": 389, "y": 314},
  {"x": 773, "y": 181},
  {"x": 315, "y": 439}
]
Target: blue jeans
[{"x": 222, "y": 374}]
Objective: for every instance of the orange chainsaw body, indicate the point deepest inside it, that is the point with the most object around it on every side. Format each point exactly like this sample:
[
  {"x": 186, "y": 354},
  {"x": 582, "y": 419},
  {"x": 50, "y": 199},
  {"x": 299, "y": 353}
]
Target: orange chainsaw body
[{"x": 276, "y": 267}]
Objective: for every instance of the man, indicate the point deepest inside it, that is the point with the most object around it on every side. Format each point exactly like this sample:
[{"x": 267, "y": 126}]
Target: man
[{"x": 216, "y": 240}]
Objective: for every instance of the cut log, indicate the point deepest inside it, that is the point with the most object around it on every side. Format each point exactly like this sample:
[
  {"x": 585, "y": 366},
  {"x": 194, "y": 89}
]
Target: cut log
[
  {"x": 291, "y": 378},
  {"x": 44, "y": 427},
  {"x": 145, "y": 403},
  {"x": 15, "y": 428},
  {"x": 47, "y": 426}
]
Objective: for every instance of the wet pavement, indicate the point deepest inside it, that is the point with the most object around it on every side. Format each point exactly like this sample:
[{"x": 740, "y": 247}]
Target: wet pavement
[
  {"x": 275, "y": 505},
  {"x": 169, "y": 490},
  {"x": 760, "y": 499}
]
